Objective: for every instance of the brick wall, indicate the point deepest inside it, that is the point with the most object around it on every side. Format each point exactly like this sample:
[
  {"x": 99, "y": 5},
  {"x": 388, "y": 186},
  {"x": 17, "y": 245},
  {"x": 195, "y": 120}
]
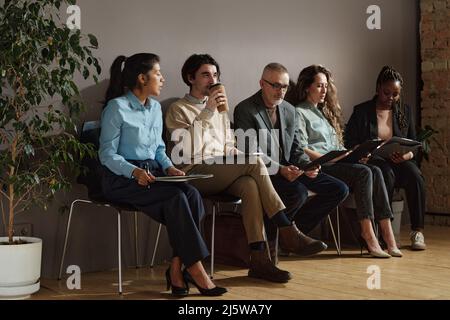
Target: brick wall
[{"x": 435, "y": 40}]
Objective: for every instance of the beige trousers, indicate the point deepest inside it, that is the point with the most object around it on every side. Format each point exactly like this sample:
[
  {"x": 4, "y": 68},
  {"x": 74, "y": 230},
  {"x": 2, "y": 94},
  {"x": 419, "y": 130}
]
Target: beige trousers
[{"x": 251, "y": 183}]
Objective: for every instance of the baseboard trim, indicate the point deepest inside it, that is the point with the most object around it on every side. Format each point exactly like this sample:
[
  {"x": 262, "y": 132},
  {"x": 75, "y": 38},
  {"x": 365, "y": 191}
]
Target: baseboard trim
[
  {"x": 439, "y": 219},
  {"x": 438, "y": 214}
]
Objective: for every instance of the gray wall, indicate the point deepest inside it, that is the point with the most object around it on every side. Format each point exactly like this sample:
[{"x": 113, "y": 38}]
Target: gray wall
[{"x": 243, "y": 35}]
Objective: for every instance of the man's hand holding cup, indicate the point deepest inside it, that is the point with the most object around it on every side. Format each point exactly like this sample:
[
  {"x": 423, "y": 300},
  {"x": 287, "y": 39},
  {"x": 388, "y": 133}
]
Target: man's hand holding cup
[{"x": 217, "y": 98}]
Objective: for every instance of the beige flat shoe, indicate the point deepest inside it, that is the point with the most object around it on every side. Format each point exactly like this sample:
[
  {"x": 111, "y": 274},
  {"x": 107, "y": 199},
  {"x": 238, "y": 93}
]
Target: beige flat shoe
[
  {"x": 395, "y": 253},
  {"x": 380, "y": 254}
]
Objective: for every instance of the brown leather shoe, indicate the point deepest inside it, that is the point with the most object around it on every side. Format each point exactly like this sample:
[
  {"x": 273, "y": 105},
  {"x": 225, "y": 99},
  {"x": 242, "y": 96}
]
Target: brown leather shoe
[
  {"x": 294, "y": 241},
  {"x": 262, "y": 268}
]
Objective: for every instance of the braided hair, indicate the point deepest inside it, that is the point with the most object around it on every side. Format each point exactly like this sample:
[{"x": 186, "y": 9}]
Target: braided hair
[{"x": 388, "y": 74}]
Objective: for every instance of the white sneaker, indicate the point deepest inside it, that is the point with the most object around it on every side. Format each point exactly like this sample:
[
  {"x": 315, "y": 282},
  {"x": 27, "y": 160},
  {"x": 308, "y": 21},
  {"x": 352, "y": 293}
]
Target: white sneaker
[{"x": 417, "y": 241}]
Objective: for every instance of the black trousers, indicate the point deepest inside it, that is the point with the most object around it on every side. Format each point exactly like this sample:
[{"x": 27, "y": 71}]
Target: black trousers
[
  {"x": 330, "y": 192},
  {"x": 178, "y": 206},
  {"x": 408, "y": 176},
  {"x": 367, "y": 184}
]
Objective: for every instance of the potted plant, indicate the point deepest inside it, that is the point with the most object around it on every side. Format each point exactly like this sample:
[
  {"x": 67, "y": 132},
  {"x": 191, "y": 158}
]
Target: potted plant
[
  {"x": 39, "y": 56},
  {"x": 425, "y": 136}
]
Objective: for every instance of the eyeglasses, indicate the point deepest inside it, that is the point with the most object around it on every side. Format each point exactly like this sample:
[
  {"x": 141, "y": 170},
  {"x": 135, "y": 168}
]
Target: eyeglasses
[{"x": 277, "y": 86}]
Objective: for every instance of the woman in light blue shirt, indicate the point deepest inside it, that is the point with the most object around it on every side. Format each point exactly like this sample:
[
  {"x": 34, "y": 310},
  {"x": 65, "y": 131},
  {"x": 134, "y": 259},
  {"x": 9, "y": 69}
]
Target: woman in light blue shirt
[
  {"x": 319, "y": 112},
  {"x": 133, "y": 155}
]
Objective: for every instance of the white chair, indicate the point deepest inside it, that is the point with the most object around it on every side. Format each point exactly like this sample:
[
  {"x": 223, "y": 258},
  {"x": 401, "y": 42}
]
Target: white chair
[{"x": 90, "y": 134}]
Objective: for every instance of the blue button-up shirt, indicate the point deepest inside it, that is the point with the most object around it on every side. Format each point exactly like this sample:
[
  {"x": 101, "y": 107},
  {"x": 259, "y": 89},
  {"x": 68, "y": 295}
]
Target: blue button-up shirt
[
  {"x": 316, "y": 133},
  {"x": 131, "y": 131}
]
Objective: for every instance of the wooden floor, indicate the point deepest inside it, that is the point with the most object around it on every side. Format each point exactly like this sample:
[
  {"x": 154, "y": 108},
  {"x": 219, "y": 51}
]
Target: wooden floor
[{"x": 418, "y": 275}]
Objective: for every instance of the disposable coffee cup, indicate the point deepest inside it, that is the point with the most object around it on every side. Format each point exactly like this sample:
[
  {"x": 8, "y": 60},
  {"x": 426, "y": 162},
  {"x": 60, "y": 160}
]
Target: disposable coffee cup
[{"x": 222, "y": 108}]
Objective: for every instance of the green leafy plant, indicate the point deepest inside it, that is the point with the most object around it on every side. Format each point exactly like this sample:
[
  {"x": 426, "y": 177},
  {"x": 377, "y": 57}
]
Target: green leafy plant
[
  {"x": 39, "y": 57},
  {"x": 426, "y": 135}
]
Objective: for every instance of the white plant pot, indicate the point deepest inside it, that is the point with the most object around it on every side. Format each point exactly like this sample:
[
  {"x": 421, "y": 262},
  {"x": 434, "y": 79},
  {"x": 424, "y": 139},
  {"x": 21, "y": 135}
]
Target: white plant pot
[
  {"x": 20, "y": 268},
  {"x": 397, "y": 210}
]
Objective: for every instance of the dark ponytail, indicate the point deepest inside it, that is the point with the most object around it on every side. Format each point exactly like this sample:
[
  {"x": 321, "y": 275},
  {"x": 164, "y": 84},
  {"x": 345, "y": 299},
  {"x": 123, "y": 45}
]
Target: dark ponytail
[
  {"x": 123, "y": 80},
  {"x": 116, "y": 87}
]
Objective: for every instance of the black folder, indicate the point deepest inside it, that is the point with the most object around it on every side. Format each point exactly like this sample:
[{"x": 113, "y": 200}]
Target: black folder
[
  {"x": 362, "y": 151},
  {"x": 397, "y": 144},
  {"x": 324, "y": 159}
]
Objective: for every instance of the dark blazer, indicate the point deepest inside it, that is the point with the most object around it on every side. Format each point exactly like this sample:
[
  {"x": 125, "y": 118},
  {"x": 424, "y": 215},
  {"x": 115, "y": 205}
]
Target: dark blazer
[
  {"x": 363, "y": 124},
  {"x": 251, "y": 114}
]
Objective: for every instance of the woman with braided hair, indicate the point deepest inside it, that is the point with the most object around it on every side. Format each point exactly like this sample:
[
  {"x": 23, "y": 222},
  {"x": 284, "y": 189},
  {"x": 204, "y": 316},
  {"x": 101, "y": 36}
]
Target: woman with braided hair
[{"x": 384, "y": 117}]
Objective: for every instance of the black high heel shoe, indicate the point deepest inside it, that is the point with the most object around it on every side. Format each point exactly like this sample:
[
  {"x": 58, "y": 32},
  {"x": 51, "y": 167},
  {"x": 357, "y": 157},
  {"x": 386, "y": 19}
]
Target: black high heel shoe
[
  {"x": 176, "y": 291},
  {"x": 216, "y": 291}
]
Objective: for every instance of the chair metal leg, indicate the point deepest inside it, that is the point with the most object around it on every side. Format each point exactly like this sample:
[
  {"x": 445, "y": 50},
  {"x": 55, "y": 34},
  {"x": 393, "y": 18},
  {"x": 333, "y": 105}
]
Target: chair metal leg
[
  {"x": 69, "y": 220},
  {"x": 334, "y": 236},
  {"x": 119, "y": 239},
  {"x": 375, "y": 229},
  {"x": 266, "y": 241},
  {"x": 152, "y": 263},
  {"x": 136, "y": 251},
  {"x": 338, "y": 230},
  {"x": 119, "y": 250},
  {"x": 276, "y": 245},
  {"x": 212, "y": 239}
]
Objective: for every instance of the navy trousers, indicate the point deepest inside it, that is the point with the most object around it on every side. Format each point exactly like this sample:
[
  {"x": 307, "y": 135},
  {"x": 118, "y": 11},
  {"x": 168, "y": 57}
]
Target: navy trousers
[
  {"x": 178, "y": 206},
  {"x": 330, "y": 192}
]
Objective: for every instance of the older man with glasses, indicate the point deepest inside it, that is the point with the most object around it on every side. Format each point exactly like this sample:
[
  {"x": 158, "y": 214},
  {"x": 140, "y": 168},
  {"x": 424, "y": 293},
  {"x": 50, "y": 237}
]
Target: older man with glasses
[{"x": 267, "y": 112}]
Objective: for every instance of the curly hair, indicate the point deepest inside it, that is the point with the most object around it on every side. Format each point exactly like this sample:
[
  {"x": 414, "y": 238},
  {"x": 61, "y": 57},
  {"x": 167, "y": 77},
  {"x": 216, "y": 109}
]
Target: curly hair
[
  {"x": 331, "y": 108},
  {"x": 388, "y": 74}
]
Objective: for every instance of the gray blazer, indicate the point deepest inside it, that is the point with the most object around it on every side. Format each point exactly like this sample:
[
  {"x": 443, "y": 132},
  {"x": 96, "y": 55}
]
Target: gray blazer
[{"x": 251, "y": 114}]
